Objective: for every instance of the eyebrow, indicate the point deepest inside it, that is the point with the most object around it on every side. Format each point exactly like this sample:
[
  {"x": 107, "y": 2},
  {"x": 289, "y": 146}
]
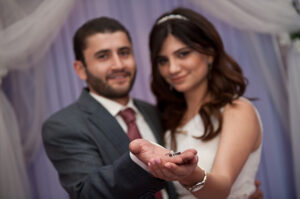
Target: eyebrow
[
  {"x": 101, "y": 52},
  {"x": 125, "y": 48},
  {"x": 181, "y": 49},
  {"x": 176, "y": 52}
]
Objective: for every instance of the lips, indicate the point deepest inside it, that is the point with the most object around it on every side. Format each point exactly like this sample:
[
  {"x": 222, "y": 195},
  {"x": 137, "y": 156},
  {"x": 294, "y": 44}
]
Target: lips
[
  {"x": 118, "y": 75},
  {"x": 178, "y": 79}
]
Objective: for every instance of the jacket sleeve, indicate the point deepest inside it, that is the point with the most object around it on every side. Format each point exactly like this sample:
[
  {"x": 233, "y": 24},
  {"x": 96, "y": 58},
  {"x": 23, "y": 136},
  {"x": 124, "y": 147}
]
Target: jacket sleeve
[{"x": 82, "y": 171}]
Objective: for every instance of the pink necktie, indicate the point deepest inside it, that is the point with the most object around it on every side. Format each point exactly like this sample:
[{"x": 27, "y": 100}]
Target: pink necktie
[{"x": 128, "y": 116}]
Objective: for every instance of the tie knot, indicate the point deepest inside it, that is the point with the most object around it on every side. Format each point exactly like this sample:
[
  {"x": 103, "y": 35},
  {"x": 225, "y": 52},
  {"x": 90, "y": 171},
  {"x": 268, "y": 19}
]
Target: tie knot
[{"x": 128, "y": 115}]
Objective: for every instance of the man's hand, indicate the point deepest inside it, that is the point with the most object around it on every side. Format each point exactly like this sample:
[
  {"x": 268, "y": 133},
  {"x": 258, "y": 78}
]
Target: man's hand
[
  {"x": 147, "y": 152},
  {"x": 258, "y": 194}
]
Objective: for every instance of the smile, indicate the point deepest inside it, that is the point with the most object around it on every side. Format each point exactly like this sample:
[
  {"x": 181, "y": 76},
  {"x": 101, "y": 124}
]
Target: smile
[
  {"x": 118, "y": 76},
  {"x": 179, "y": 79}
]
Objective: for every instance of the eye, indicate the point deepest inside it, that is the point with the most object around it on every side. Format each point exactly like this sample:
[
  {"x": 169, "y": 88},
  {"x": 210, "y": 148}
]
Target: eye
[
  {"x": 102, "y": 55},
  {"x": 183, "y": 54},
  {"x": 124, "y": 52},
  {"x": 161, "y": 61}
]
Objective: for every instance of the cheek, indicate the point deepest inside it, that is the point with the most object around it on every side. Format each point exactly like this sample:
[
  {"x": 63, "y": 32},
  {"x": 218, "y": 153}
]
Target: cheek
[{"x": 163, "y": 72}]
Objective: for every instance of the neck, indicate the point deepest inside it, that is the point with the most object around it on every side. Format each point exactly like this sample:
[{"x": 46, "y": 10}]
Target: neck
[
  {"x": 194, "y": 99},
  {"x": 121, "y": 100}
]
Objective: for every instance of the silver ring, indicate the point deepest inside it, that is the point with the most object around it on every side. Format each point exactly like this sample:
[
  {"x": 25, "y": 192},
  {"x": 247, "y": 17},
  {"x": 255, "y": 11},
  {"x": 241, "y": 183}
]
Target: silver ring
[{"x": 172, "y": 153}]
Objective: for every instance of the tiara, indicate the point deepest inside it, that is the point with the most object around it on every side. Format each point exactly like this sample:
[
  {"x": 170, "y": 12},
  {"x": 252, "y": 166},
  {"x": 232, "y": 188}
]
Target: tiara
[{"x": 171, "y": 16}]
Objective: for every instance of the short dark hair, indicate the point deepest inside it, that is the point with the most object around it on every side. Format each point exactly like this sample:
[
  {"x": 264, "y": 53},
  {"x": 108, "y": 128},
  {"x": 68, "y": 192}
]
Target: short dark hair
[
  {"x": 94, "y": 26},
  {"x": 226, "y": 81}
]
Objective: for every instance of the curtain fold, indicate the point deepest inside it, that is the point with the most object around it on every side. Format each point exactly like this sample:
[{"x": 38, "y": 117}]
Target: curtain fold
[
  {"x": 257, "y": 15},
  {"x": 27, "y": 30},
  {"x": 13, "y": 175},
  {"x": 293, "y": 64}
]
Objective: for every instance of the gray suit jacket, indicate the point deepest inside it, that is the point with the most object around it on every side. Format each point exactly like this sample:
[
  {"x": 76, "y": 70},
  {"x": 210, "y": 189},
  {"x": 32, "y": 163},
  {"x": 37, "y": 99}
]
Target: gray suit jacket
[{"x": 90, "y": 152}]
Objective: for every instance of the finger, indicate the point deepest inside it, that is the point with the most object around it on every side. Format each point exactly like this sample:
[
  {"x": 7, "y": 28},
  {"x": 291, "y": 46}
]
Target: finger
[
  {"x": 155, "y": 167},
  {"x": 135, "y": 146},
  {"x": 159, "y": 171},
  {"x": 169, "y": 175},
  {"x": 176, "y": 170},
  {"x": 181, "y": 170},
  {"x": 188, "y": 155},
  {"x": 182, "y": 158}
]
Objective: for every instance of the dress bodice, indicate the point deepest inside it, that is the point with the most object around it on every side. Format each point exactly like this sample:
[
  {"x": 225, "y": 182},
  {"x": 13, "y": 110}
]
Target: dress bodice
[{"x": 243, "y": 185}]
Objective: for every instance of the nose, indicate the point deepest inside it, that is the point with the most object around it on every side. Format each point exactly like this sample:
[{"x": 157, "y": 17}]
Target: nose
[
  {"x": 117, "y": 62},
  {"x": 174, "y": 67}
]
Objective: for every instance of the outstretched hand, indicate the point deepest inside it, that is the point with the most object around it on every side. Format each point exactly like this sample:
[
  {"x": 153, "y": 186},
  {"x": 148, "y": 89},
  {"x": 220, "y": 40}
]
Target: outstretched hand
[
  {"x": 160, "y": 164},
  {"x": 147, "y": 151}
]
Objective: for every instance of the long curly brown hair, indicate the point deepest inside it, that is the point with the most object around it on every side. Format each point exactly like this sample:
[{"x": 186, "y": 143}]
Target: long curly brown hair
[{"x": 225, "y": 83}]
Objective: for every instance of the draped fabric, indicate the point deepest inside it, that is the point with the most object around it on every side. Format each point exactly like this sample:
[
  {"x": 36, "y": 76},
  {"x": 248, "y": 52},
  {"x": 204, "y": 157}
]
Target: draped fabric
[
  {"x": 47, "y": 81},
  {"x": 27, "y": 30},
  {"x": 264, "y": 16},
  {"x": 13, "y": 177},
  {"x": 293, "y": 65}
]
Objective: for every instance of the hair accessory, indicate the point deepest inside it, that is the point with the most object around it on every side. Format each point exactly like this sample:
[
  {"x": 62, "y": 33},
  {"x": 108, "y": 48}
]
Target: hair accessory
[{"x": 171, "y": 16}]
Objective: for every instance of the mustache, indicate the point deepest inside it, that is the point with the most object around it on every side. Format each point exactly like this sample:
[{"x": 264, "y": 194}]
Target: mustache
[{"x": 121, "y": 72}]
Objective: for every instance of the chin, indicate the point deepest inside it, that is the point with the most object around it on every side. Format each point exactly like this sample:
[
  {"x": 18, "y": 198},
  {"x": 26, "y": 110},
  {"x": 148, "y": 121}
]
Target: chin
[{"x": 180, "y": 89}]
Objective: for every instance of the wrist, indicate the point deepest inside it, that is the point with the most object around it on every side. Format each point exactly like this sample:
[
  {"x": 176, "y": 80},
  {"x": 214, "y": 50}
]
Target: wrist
[
  {"x": 195, "y": 183},
  {"x": 193, "y": 178}
]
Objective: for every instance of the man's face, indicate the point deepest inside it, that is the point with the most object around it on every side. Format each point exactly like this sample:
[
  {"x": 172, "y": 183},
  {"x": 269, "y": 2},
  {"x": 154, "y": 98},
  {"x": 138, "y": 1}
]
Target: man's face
[{"x": 110, "y": 64}]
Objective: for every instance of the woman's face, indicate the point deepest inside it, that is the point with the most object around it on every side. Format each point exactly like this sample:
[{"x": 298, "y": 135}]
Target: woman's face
[{"x": 182, "y": 67}]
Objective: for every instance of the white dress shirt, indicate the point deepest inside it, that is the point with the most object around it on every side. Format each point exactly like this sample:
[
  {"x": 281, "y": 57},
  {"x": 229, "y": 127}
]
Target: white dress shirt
[{"x": 114, "y": 108}]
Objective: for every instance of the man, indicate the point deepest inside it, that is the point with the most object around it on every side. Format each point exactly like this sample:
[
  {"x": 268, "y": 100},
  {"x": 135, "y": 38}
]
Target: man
[{"x": 87, "y": 141}]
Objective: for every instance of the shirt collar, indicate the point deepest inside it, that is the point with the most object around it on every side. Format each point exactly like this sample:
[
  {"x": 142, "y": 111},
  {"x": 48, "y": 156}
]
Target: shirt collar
[{"x": 111, "y": 106}]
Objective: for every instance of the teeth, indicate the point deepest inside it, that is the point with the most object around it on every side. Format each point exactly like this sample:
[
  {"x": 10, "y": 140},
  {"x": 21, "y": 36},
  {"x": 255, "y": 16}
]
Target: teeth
[{"x": 118, "y": 77}]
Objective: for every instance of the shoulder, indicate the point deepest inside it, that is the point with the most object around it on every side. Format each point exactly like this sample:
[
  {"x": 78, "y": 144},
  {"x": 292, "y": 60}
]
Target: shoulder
[
  {"x": 240, "y": 106},
  {"x": 65, "y": 113},
  {"x": 63, "y": 121},
  {"x": 241, "y": 119}
]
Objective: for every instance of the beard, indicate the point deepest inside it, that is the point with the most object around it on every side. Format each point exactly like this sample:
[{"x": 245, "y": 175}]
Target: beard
[{"x": 104, "y": 89}]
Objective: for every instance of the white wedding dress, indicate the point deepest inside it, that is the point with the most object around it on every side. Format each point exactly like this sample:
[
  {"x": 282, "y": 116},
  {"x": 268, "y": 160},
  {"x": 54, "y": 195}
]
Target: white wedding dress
[{"x": 244, "y": 184}]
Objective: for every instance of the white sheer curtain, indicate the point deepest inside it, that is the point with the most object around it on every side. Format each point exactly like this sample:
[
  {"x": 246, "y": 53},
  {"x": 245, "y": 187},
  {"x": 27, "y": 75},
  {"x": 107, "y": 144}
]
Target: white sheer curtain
[
  {"x": 277, "y": 17},
  {"x": 27, "y": 30},
  {"x": 293, "y": 64},
  {"x": 268, "y": 16}
]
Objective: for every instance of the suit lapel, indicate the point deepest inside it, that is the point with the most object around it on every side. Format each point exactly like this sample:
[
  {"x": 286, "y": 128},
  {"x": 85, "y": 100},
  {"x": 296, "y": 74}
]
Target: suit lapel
[
  {"x": 148, "y": 118},
  {"x": 107, "y": 125}
]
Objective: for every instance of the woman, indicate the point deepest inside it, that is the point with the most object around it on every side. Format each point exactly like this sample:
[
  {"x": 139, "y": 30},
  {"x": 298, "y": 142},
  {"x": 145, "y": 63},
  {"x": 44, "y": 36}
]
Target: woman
[{"x": 199, "y": 90}]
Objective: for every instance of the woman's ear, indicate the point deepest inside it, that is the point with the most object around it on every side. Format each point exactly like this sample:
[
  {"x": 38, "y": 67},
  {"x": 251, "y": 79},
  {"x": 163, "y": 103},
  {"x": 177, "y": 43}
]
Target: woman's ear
[
  {"x": 80, "y": 69},
  {"x": 210, "y": 59}
]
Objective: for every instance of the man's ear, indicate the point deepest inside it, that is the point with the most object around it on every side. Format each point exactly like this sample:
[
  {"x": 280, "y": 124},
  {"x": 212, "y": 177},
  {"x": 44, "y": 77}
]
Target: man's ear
[{"x": 80, "y": 69}]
